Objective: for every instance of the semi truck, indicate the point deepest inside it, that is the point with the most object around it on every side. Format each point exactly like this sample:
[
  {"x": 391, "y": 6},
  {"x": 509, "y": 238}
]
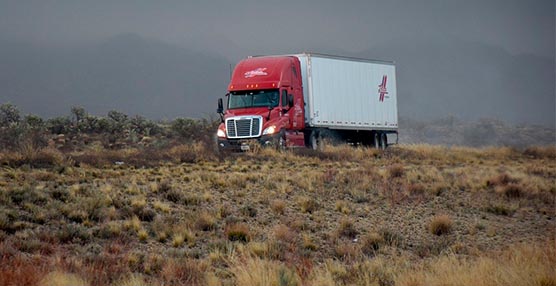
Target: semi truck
[{"x": 308, "y": 100}]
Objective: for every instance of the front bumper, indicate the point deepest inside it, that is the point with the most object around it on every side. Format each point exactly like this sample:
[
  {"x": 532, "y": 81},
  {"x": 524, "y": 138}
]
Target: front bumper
[{"x": 238, "y": 145}]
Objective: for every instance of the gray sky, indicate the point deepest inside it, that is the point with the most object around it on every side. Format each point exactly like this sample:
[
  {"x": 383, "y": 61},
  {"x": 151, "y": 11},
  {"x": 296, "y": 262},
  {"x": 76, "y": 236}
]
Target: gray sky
[
  {"x": 468, "y": 58},
  {"x": 518, "y": 26}
]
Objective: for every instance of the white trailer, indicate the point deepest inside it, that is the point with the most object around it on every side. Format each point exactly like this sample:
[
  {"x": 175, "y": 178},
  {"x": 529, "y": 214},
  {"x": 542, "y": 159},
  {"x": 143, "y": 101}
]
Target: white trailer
[{"x": 354, "y": 99}]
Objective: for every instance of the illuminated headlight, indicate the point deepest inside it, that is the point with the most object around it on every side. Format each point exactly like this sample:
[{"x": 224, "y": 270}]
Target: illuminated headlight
[
  {"x": 269, "y": 130},
  {"x": 220, "y": 133}
]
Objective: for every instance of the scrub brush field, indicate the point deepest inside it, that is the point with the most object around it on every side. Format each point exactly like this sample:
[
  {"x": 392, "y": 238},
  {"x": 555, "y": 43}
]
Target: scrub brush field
[{"x": 413, "y": 215}]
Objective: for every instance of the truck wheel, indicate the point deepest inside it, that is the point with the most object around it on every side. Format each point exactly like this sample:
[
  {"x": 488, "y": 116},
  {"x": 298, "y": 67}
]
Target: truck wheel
[
  {"x": 281, "y": 144},
  {"x": 315, "y": 140}
]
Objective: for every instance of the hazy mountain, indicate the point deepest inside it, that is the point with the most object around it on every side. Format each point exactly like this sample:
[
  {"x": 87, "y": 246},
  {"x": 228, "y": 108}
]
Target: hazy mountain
[{"x": 126, "y": 72}]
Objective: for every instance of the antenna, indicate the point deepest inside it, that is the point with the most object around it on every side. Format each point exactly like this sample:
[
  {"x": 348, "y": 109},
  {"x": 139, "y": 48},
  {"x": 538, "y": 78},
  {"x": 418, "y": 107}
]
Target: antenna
[{"x": 230, "y": 71}]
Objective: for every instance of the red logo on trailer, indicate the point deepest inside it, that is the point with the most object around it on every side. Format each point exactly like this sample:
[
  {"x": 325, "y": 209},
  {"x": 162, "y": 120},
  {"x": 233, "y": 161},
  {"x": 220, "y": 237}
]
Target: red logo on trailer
[
  {"x": 382, "y": 88},
  {"x": 256, "y": 72}
]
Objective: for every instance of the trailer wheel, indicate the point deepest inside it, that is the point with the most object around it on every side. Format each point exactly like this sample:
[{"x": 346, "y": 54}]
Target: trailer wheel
[
  {"x": 376, "y": 140},
  {"x": 383, "y": 141}
]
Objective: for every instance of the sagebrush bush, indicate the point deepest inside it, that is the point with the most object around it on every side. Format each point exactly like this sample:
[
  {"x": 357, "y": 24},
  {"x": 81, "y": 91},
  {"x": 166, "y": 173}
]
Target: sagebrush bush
[
  {"x": 308, "y": 204},
  {"x": 347, "y": 228},
  {"x": 278, "y": 206},
  {"x": 501, "y": 180},
  {"x": 346, "y": 251},
  {"x": 440, "y": 225},
  {"x": 371, "y": 243},
  {"x": 183, "y": 272},
  {"x": 205, "y": 222},
  {"x": 396, "y": 171},
  {"x": 513, "y": 191},
  {"x": 238, "y": 232}
]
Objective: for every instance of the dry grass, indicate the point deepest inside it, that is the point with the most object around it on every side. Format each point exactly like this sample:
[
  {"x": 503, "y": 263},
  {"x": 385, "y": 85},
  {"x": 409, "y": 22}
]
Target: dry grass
[
  {"x": 258, "y": 272},
  {"x": 521, "y": 265},
  {"x": 62, "y": 279},
  {"x": 343, "y": 216}
]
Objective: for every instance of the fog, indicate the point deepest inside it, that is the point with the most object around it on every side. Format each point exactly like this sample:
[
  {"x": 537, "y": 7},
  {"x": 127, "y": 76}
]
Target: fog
[{"x": 164, "y": 59}]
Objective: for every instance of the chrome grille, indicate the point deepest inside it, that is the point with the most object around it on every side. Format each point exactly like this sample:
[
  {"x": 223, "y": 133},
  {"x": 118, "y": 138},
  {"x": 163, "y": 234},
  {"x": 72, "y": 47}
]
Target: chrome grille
[{"x": 244, "y": 127}]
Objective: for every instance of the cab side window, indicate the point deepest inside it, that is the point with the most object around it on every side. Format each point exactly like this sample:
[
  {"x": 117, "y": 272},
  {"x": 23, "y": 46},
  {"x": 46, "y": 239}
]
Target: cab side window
[{"x": 284, "y": 98}]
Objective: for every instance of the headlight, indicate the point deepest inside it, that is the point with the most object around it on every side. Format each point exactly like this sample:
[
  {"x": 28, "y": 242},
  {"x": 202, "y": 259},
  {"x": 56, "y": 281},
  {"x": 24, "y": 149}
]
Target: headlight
[
  {"x": 220, "y": 133},
  {"x": 269, "y": 130}
]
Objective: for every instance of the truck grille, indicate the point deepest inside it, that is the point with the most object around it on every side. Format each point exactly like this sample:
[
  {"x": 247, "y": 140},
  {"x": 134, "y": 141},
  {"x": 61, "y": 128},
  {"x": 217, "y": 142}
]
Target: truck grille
[{"x": 244, "y": 127}]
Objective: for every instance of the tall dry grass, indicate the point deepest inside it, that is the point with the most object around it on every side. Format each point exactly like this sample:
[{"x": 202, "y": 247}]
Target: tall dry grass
[{"x": 521, "y": 265}]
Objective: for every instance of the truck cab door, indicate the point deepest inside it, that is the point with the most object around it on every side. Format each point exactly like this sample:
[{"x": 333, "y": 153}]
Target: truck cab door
[{"x": 297, "y": 118}]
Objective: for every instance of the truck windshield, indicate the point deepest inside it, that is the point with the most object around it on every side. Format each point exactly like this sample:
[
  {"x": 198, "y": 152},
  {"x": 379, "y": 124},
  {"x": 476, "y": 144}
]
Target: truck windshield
[{"x": 253, "y": 98}]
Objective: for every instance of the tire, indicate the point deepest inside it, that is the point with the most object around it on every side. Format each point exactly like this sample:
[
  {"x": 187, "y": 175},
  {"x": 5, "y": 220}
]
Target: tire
[
  {"x": 281, "y": 143},
  {"x": 383, "y": 141},
  {"x": 315, "y": 140}
]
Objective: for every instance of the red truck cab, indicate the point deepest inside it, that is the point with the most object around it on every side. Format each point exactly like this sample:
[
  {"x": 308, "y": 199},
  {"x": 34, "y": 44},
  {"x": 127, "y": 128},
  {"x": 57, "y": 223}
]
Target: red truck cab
[{"x": 264, "y": 104}]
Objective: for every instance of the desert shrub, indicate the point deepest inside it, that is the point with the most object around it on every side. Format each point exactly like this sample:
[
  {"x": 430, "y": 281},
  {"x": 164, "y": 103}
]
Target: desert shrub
[
  {"x": 440, "y": 225},
  {"x": 283, "y": 234},
  {"x": 249, "y": 211},
  {"x": 59, "y": 125},
  {"x": 143, "y": 126},
  {"x": 21, "y": 270},
  {"x": 278, "y": 206},
  {"x": 346, "y": 251},
  {"x": 238, "y": 232},
  {"x": 513, "y": 191},
  {"x": 119, "y": 122},
  {"x": 416, "y": 189},
  {"x": 501, "y": 180},
  {"x": 175, "y": 195},
  {"x": 145, "y": 213},
  {"x": 9, "y": 114},
  {"x": 74, "y": 233},
  {"x": 308, "y": 204},
  {"x": 15, "y": 132},
  {"x": 391, "y": 236},
  {"x": 371, "y": 243},
  {"x": 185, "y": 128},
  {"x": 308, "y": 243},
  {"x": 189, "y": 130},
  {"x": 538, "y": 152},
  {"x": 44, "y": 158},
  {"x": 205, "y": 222},
  {"x": 396, "y": 171},
  {"x": 432, "y": 247},
  {"x": 183, "y": 272},
  {"x": 7, "y": 220},
  {"x": 109, "y": 230},
  {"x": 500, "y": 209},
  {"x": 164, "y": 186},
  {"x": 28, "y": 195},
  {"x": 347, "y": 228}
]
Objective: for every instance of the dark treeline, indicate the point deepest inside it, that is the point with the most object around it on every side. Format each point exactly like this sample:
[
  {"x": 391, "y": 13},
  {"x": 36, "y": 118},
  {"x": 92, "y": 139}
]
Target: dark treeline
[{"x": 79, "y": 128}]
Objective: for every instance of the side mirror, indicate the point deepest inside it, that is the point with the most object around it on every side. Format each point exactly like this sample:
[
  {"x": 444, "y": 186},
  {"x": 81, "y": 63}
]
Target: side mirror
[
  {"x": 220, "y": 108},
  {"x": 290, "y": 100}
]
